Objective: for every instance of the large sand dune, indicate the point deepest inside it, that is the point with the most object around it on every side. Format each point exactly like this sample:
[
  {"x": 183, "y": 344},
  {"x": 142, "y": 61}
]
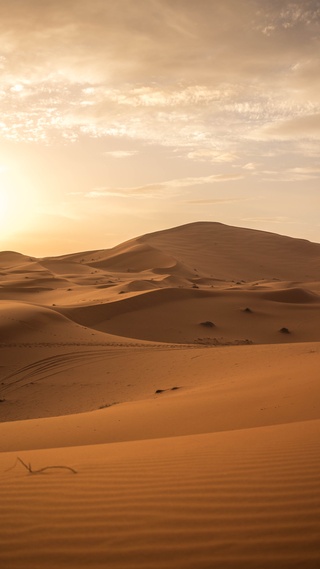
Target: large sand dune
[{"x": 178, "y": 374}]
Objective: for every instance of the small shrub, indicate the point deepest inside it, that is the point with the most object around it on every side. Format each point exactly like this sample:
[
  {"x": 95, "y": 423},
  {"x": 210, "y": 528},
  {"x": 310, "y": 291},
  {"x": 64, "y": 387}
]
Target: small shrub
[
  {"x": 108, "y": 405},
  {"x": 207, "y": 324}
]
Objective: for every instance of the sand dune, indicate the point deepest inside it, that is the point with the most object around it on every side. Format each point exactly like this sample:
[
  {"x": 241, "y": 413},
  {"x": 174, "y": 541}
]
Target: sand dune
[
  {"x": 178, "y": 374},
  {"x": 21, "y": 322},
  {"x": 176, "y": 315},
  {"x": 236, "y": 253},
  {"x": 136, "y": 258},
  {"x": 293, "y": 295},
  {"x": 106, "y": 289},
  {"x": 156, "y": 391},
  {"x": 247, "y": 498},
  {"x": 9, "y": 259}
]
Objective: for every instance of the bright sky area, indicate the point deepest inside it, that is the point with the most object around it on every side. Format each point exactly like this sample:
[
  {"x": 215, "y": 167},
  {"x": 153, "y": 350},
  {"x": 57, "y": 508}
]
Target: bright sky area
[{"x": 123, "y": 117}]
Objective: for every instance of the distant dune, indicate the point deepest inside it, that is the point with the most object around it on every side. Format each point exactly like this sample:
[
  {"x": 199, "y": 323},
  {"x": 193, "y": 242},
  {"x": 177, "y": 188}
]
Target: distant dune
[
  {"x": 212, "y": 250},
  {"x": 178, "y": 374},
  {"x": 176, "y": 279}
]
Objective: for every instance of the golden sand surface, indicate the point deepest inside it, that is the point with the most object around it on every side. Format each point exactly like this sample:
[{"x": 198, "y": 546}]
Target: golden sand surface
[{"x": 178, "y": 375}]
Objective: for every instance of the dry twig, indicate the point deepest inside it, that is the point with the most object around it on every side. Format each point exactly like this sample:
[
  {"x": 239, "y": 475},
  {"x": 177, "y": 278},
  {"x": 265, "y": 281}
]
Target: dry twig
[{"x": 40, "y": 470}]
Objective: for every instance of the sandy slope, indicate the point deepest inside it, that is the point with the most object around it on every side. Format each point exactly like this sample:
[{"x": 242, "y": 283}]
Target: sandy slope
[
  {"x": 235, "y": 253},
  {"x": 242, "y": 499},
  {"x": 193, "y": 422},
  {"x": 218, "y": 389}
]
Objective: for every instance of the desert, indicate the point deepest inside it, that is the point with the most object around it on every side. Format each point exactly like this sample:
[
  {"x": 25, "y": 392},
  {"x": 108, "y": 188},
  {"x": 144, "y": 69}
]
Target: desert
[
  {"x": 159, "y": 284},
  {"x": 160, "y": 403}
]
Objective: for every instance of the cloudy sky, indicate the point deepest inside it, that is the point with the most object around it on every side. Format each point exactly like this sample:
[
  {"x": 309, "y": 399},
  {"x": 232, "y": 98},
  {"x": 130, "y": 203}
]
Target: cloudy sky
[{"x": 121, "y": 117}]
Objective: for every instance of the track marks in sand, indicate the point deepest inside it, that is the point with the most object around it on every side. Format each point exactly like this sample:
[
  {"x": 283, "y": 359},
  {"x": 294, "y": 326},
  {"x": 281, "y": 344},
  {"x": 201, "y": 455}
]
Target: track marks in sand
[
  {"x": 233, "y": 500},
  {"x": 47, "y": 367},
  {"x": 60, "y": 363}
]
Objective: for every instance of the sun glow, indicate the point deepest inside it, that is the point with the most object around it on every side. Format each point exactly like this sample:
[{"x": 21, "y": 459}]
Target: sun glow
[
  {"x": 5, "y": 211},
  {"x": 15, "y": 204},
  {"x": 3, "y": 204},
  {"x": 6, "y": 203}
]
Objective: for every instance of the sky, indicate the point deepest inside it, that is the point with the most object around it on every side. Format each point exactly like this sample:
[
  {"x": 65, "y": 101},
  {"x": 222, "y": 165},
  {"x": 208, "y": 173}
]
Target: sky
[{"x": 123, "y": 117}]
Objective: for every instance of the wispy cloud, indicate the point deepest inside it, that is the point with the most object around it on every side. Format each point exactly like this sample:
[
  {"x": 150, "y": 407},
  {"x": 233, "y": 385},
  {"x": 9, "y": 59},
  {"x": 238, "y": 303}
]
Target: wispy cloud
[
  {"x": 297, "y": 174},
  {"x": 158, "y": 189},
  {"x": 269, "y": 219},
  {"x": 219, "y": 99},
  {"x": 290, "y": 15},
  {"x": 251, "y": 166},
  {"x": 218, "y": 201},
  {"x": 307, "y": 126},
  {"x": 84, "y": 81},
  {"x": 120, "y": 153},
  {"x": 211, "y": 155}
]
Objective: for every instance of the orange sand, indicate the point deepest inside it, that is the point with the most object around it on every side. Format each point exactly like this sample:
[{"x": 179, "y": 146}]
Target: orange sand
[{"x": 196, "y": 446}]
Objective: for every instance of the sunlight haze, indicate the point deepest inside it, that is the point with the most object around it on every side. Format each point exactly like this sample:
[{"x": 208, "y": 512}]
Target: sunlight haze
[{"x": 124, "y": 117}]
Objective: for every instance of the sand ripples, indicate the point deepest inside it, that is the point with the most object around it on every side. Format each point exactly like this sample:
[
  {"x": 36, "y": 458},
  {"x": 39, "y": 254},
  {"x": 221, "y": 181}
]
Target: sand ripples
[{"x": 237, "y": 499}]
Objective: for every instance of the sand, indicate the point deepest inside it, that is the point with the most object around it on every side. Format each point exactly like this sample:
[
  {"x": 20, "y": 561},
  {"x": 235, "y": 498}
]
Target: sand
[{"x": 178, "y": 374}]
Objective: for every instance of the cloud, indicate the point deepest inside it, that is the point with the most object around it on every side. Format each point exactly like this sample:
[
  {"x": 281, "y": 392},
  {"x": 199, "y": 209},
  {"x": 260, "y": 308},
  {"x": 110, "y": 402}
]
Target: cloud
[
  {"x": 290, "y": 14},
  {"x": 156, "y": 190},
  {"x": 251, "y": 166},
  {"x": 210, "y": 155},
  {"x": 305, "y": 170},
  {"x": 204, "y": 77},
  {"x": 218, "y": 201},
  {"x": 270, "y": 219},
  {"x": 120, "y": 153},
  {"x": 197, "y": 87},
  {"x": 123, "y": 40},
  {"x": 307, "y": 126},
  {"x": 296, "y": 174}
]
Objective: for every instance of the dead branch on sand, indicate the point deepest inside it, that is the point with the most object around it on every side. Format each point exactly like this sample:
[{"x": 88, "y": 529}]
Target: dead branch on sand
[{"x": 40, "y": 470}]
